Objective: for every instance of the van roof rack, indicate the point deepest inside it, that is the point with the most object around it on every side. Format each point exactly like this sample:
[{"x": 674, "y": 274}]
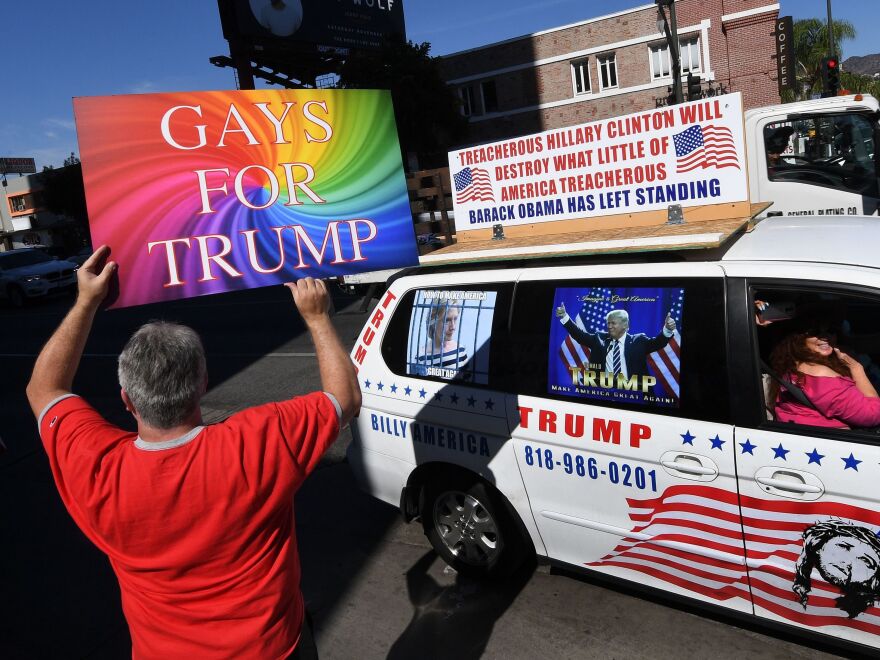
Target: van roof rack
[{"x": 674, "y": 235}]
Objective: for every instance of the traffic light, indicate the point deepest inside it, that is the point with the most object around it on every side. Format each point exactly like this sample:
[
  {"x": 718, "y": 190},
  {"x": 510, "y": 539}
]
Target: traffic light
[
  {"x": 694, "y": 87},
  {"x": 830, "y": 76}
]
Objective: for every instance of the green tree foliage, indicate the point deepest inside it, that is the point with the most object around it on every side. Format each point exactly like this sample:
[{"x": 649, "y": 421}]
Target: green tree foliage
[
  {"x": 810, "y": 46},
  {"x": 426, "y": 109},
  {"x": 859, "y": 84}
]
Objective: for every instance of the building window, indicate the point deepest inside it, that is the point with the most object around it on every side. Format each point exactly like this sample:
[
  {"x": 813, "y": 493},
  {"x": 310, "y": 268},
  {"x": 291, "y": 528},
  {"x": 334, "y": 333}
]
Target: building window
[
  {"x": 690, "y": 55},
  {"x": 661, "y": 66},
  {"x": 661, "y": 63},
  {"x": 490, "y": 96},
  {"x": 607, "y": 70},
  {"x": 466, "y": 94},
  {"x": 18, "y": 204},
  {"x": 580, "y": 73}
]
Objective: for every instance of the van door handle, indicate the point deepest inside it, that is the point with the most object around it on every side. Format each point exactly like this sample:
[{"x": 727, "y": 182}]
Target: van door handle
[
  {"x": 786, "y": 484},
  {"x": 688, "y": 468}
]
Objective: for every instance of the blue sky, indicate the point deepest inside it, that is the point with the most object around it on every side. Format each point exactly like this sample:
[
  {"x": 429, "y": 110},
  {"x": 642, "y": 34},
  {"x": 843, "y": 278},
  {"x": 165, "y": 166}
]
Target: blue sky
[{"x": 57, "y": 49}]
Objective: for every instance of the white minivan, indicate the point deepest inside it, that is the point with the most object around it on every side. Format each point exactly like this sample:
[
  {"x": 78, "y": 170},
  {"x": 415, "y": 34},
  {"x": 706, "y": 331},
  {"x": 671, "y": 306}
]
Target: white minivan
[{"x": 701, "y": 422}]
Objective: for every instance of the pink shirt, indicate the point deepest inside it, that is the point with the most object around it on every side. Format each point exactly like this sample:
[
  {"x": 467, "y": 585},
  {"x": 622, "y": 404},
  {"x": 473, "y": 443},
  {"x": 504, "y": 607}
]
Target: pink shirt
[{"x": 837, "y": 399}]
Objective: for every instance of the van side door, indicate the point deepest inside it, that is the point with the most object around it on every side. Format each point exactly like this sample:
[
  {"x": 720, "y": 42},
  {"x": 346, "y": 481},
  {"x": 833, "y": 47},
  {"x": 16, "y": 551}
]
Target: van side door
[
  {"x": 630, "y": 472},
  {"x": 809, "y": 466}
]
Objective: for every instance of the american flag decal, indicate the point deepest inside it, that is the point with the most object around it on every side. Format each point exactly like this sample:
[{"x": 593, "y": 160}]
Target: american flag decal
[
  {"x": 473, "y": 184},
  {"x": 703, "y": 147},
  {"x": 693, "y": 537}
]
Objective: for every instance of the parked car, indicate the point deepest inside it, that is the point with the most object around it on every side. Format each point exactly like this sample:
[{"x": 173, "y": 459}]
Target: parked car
[
  {"x": 80, "y": 257},
  {"x": 31, "y": 273},
  {"x": 501, "y": 409}
]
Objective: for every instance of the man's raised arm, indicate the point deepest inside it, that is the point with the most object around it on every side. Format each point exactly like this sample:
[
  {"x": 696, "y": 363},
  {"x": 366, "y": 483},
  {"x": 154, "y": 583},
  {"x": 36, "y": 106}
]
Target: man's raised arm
[
  {"x": 58, "y": 361},
  {"x": 338, "y": 376}
]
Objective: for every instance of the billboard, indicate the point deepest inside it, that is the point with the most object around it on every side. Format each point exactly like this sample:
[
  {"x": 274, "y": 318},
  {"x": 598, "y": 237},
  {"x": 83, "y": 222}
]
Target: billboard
[
  {"x": 207, "y": 192},
  {"x": 17, "y": 166},
  {"x": 359, "y": 24},
  {"x": 691, "y": 154}
]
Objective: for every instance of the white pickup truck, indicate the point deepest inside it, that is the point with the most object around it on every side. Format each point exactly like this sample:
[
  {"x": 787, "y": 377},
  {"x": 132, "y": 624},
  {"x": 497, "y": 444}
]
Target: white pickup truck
[{"x": 815, "y": 157}]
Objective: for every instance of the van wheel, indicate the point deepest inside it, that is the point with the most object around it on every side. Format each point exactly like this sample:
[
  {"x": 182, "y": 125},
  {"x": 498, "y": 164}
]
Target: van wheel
[
  {"x": 16, "y": 296},
  {"x": 470, "y": 527}
]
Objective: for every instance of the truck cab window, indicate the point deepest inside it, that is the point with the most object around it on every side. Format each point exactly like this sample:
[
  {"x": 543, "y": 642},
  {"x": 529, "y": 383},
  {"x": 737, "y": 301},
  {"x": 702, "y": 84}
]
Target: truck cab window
[{"x": 835, "y": 151}]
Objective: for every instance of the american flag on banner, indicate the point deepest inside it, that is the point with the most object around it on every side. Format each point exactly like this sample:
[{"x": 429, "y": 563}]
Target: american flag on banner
[
  {"x": 473, "y": 184},
  {"x": 705, "y": 146},
  {"x": 665, "y": 364},
  {"x": 684, "y": 517}
]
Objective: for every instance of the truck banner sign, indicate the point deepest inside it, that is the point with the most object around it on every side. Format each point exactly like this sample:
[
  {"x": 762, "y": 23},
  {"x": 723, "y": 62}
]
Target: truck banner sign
[
  {"x": 207, "y": 192},
  {"x": 691, "y": 154}
]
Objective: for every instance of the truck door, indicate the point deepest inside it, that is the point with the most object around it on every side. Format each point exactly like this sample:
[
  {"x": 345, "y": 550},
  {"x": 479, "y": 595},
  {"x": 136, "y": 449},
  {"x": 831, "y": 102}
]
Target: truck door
[
  {"x": 808, "y": 478},
  {"x": 822, "y": 165},
  {"x": 629, "y": 474}
]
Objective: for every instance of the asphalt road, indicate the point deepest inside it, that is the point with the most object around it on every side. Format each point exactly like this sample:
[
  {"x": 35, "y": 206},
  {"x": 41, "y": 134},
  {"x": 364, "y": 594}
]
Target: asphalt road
[{"x": 374, "y": 587}]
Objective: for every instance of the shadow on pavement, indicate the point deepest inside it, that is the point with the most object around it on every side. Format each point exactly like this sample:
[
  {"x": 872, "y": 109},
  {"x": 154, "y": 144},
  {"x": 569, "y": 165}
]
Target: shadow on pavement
[{"x": 454, "y": 621}]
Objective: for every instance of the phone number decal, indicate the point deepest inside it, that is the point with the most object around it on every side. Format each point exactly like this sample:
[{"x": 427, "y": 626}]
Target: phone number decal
[{"x": 617, "y": 473}]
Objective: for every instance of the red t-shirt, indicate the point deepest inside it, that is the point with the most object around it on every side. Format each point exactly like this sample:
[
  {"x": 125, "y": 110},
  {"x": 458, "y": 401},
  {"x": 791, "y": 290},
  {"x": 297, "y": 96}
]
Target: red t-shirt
[{"x": 200, "y": 531}]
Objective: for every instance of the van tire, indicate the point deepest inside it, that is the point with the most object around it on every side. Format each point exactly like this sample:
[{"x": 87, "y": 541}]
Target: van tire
[{"x": 472, "y": 528}]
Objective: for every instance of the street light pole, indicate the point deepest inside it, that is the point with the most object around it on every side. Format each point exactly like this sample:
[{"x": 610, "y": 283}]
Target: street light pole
[
  {"x": 831, "y": 52},
  {"x": 670, "y": 27}
]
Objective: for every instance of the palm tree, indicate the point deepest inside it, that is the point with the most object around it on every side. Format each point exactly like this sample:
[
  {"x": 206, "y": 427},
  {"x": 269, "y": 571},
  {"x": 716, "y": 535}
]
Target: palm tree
[{"x": 811, "y": 45}]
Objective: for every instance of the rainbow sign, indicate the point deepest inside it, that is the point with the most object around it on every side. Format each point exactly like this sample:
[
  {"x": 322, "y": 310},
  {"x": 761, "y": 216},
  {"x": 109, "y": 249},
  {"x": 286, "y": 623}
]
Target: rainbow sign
[{"x": 207, "y": 192}]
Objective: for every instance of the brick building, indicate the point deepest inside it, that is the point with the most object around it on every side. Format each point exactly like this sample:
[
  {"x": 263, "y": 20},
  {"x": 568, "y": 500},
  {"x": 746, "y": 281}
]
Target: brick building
[{"x": 612, "y": 65}]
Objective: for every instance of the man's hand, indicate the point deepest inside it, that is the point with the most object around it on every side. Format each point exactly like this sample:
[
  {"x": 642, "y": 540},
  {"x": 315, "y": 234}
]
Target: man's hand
[
  {"x": 93, "y": 277},
  {"x": 560, "y": 311},
  {"x": 669, "y": 323},
  {"x": 851, "y": 363},
  {"x": 311, "y": 298},
  {"x": 58, "y": 361},
  {"x": 338, "y": 376}
]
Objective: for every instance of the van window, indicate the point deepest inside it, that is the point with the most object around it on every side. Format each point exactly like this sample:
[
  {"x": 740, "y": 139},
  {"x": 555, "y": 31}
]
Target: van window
[
  {"x": 449, "y": 334},
  {"x": 820, "y": 357},
  {"x": 654, "y": 345},
  {"x": 835, "y": 151}
]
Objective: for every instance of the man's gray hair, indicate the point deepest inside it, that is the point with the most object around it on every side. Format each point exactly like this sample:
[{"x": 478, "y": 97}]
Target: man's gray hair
[
  {"x": 162, "y": 369},
  {"x": 620, "y": 314}
]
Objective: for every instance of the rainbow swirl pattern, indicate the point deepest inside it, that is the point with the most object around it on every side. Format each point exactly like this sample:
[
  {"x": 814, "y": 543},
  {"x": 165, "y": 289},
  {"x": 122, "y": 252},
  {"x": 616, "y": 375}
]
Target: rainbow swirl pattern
[{"x": 140, "y": 189}]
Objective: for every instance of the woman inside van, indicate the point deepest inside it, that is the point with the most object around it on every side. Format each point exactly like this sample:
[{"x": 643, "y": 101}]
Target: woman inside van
[{"x": 836, "y": 384}]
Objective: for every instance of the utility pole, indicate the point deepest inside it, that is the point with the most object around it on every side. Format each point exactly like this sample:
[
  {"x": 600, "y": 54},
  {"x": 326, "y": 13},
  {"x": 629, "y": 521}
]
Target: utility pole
[
  {"x": 670, "y": 28},
  {"x": 831, "y": 51}
]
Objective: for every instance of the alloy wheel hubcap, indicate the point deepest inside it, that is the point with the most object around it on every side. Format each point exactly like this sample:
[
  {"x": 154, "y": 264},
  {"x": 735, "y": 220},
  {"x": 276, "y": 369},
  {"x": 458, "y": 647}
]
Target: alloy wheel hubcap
[{"x": 466, "y": 528}]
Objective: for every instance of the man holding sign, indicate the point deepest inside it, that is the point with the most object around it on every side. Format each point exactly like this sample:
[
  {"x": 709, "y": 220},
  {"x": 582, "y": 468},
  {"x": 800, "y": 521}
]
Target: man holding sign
[{"x": 197, "y": 520}]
